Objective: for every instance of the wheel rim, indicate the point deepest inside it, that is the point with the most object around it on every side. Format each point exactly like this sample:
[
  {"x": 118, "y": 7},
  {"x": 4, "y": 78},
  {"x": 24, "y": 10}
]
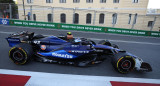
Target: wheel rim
[
  {"x": 126, "y": 64},
  {"x": 18, "y": 56}
]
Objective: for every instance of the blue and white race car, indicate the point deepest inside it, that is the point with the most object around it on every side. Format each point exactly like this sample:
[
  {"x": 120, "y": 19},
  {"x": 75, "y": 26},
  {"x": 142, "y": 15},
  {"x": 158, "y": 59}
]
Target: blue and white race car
[{"x": 78, "y": 52}]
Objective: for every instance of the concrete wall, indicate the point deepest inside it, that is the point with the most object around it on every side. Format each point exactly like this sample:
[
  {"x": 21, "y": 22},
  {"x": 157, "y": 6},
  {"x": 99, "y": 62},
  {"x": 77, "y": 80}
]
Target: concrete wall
[
  {"x": 123, "y": 9},
  {"x": 124, "y": 6}
]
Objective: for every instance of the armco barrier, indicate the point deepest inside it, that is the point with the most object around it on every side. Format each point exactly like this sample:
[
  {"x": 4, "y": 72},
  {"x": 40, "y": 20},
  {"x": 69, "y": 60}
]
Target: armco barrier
[{"x": 84, "y": 28}]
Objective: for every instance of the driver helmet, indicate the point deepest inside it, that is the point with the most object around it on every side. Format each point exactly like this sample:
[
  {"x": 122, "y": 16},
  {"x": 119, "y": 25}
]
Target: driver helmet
[{"x": 69, "y": 33}]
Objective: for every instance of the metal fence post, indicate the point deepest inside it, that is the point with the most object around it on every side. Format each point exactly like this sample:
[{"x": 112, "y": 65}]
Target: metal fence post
[
  {"x": 31, "y": 12},
  {"x": 73, "y": 15},
  {"x": 94, "y": 19},
  {"x": 153, "y": 23},
  {"x": 10, "y": 11}
]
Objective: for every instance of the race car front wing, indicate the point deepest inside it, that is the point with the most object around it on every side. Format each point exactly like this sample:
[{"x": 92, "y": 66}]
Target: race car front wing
[{"x": 142, "y": 66}]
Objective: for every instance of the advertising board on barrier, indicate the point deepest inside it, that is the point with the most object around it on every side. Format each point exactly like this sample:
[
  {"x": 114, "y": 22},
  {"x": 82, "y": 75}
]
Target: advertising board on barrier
[
  {"x": 56, "y": 25},
  {"x": 32, "y": 24},
  {"x": 84, "y": 28},
  {"x": 4, "y": 21},
  {"x": 132, "y": 32}
]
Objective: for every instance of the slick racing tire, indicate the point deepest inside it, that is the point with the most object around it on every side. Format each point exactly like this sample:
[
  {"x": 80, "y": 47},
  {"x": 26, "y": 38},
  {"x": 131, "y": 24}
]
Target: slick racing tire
[
  {"x": 123, "y": 63},
  {"x": 21, "y": 53}
]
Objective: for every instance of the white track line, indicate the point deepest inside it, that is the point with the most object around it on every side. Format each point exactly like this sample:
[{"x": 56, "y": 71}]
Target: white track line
[
  {"x": 147, "y": 43},
  {"x": 54, "y": 79}
]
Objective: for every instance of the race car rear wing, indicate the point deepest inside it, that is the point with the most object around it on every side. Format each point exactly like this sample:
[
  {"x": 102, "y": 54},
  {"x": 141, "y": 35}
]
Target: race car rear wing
[
  {"x": 13, "y": 41},
  {"x": 17, "y": 38}
]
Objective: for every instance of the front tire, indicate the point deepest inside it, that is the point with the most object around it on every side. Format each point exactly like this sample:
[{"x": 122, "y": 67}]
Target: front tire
[
  {"x": 21, "y": 53},
  {"x": 123, "y": 63}
]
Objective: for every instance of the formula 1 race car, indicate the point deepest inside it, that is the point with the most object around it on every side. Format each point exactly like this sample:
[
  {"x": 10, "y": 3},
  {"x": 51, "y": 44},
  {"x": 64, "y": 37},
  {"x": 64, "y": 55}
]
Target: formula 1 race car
[{"x": 77, "y": 51}]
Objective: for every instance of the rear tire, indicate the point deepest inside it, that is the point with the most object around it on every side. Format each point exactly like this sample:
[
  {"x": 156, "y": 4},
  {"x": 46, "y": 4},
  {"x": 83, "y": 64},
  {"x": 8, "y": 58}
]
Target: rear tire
[
  {"x": 21, "y": 53},
  {"x": 123, "y": 63}
]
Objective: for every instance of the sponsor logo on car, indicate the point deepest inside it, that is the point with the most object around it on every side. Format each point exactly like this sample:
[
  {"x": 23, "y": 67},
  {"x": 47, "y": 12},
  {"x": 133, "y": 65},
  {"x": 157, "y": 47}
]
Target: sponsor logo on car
[
  {"x": 62, "y": 55},
  {"x": 13, "y": 39},
  {"x": 36, "y": 42},
  {"x": 78, "y": 51},
  {"x": 43, "y": 47},
  {"x": 75, "y": 45},
  {"x": 99, "y": 50}
]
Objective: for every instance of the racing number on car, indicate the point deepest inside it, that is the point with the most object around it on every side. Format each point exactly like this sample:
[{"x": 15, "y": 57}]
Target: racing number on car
[{"x": 37, "y": 42}]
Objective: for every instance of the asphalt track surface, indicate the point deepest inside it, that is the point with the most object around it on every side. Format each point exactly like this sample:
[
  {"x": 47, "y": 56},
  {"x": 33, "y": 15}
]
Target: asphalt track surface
[{"x": 147, "y": 48}]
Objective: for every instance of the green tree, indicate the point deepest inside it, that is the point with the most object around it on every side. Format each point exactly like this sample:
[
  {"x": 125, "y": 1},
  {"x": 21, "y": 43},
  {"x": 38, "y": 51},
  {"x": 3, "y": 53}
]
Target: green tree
[{"x": 6, "y": 1}]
